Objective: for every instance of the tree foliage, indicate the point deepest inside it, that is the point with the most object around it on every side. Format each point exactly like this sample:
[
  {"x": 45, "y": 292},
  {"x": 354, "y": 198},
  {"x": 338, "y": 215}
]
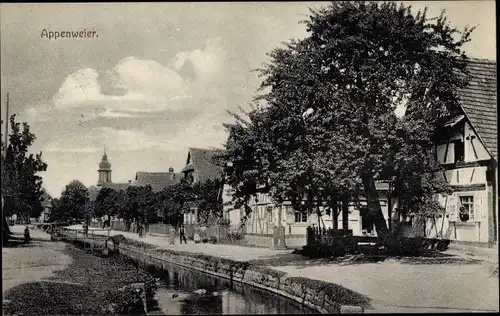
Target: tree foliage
[
  {"x": 208, "y": 199},
  {"x": 72, "y": 205},
  {"x": 167, "y": 205},
  {"x": 107, "y": 202},
  {"x": 359, "y": 63},
  {"x": 21, "y": 182}
]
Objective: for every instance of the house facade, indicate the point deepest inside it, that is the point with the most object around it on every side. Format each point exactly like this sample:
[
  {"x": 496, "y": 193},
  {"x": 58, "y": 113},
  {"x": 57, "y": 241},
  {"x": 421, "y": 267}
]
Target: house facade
[
  {"x": 467, "y": 149},
  {"x": 46, "y": 202},
  {"x": 265, "y": 215},
  {"x": 199, "y": 167}
]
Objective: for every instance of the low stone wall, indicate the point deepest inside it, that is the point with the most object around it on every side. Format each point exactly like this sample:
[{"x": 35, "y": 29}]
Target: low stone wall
[
  {"x": 295, "y": 241},
  {"x": 262, "y": 240},
  {"x": 266, "y": 240},
  {"x": 321, "y": 296}
]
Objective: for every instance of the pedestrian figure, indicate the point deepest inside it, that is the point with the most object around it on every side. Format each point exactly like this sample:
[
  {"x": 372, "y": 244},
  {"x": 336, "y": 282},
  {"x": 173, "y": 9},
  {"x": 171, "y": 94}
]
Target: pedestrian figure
[
  {"x": 173, "y": 235},
  {"x": 86, "y": 229},
  {"x": 140, "y": 229},
  {"x": 197, "y": 237},
  {"x": 182, "y": 234},
  {"x": 27, "y": 237}
]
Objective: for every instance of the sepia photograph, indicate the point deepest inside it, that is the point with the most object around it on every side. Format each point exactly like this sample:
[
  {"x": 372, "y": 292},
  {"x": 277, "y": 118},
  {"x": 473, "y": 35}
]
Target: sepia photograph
[{"x": 223, "y": 158}]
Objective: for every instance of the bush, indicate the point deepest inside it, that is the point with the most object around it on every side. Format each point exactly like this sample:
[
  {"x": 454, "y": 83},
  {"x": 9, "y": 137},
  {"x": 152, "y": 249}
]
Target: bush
[
  {"x": 213, "y": 240},
  {"x": 234, "y": 236},
  {"x": 204, "y": 240}
]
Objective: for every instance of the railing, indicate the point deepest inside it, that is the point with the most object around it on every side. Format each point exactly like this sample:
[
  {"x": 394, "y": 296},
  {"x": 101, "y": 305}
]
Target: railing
[
  {"x": 76, "y": 234},
  {"x": 219, "y": 231}
]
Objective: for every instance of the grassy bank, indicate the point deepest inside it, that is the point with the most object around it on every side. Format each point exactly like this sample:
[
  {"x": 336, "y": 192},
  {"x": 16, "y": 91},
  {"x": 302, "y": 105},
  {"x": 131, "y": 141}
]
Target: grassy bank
[{"x": 90, "y": 285}]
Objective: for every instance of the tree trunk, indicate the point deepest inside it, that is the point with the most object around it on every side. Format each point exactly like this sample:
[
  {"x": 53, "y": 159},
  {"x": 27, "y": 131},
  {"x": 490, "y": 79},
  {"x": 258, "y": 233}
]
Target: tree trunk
[
  {"x": 373, "y": 204},
  {"x": 345, "y": 214},
  {"x": 5, "y": 231},
  {"x": 334, "y": 215}
]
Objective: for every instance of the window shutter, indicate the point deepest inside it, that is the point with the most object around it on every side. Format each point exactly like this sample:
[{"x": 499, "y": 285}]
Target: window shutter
[
  {"x": 451, "y": 207},
  {"x": 478, "y": 204},
  {"x": 313, "y": 218}
]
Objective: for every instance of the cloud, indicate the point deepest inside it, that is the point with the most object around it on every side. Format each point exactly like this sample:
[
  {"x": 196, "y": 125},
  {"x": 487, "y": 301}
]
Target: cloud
[
  {"x": 201, "y": 131},
  {"x": 110, "y": 113},
  {"x": 205, "y": 63},
  {"x": 39, "y": 113},
  {"x": 57, "y": 148},
  {"x": 148, "y": 85}
]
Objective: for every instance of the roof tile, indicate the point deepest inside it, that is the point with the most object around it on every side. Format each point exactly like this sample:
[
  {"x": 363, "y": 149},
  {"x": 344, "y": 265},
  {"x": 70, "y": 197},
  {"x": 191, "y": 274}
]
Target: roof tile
[
  {"x": 157, "y": 180},
  {"x": 203, "y": 164},
  {"x": 479, "y": 101}
]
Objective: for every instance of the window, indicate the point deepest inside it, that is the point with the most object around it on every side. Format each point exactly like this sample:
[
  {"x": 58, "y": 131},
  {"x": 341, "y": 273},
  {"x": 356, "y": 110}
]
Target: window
[
  {"x": 459, "y": 150},
  {"x": 466, "y": 212},
  {"x": 300, "y": 216}
]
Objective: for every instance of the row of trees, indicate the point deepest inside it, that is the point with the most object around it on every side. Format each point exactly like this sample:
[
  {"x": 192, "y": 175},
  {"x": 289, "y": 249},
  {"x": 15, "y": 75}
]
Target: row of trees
[
  {"x": 323, "y": 127},
  {"x": 141, "y": 203},
  {"x": 21, "y": 183}
]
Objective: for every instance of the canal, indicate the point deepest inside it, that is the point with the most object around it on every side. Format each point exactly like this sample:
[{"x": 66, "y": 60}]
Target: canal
[
  {"x": 184, "y": 291},
  {"x": 81, "y": 286}
]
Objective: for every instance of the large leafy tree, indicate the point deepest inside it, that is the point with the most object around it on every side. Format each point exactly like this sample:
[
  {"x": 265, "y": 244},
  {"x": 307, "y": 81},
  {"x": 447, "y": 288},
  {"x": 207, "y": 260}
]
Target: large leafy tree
[
  {"x": 208, "y": 200},
  {"x": 72, "y": 204},
  {"x": 129, "y": 204},
  {"x": 171, "y": 202},
  {"x": 21, "y": 182},
  {"x": 107, "y": 202},
  {"x": 147, "y": 204},
  {"x": 358, "y": 64}
]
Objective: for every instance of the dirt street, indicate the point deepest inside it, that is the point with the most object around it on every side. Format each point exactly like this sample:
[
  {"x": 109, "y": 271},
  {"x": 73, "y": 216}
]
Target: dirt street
[{"x": 23, "y": 263}]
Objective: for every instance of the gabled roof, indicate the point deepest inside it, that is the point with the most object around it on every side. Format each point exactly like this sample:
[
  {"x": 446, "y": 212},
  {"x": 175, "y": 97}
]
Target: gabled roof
[
  {"x": 201, "y": 161},
  {"x": 115, "y": 186},
  {"x": 157, "y": 180},
  {"x": 479, "y": 101}
]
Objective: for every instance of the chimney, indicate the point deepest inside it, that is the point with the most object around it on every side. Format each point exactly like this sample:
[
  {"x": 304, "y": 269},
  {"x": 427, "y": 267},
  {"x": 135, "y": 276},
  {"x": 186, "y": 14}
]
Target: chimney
[{"x": 171, "y": 173}]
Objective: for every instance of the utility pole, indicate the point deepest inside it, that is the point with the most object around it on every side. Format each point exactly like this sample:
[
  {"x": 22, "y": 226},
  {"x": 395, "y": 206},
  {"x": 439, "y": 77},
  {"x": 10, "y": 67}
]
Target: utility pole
[
  {"x": 6, "y": 135},
  {"x": 5, "y": 225}
]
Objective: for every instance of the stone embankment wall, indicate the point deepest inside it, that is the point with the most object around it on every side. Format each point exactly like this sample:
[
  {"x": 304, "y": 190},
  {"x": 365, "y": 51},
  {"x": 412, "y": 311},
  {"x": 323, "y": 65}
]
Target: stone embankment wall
[{"x": 322, "y": 296}]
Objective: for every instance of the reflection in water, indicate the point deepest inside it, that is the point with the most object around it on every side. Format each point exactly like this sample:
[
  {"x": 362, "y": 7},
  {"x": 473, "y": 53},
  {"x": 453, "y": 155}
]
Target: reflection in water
[{"x": 176, "y": 295}]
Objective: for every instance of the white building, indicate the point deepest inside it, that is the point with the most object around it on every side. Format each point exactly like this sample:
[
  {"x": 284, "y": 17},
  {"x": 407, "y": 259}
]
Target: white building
[{"x": 468, "y": 151}]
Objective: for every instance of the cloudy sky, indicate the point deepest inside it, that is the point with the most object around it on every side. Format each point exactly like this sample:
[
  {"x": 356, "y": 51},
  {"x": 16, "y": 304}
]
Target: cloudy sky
[{"x": 158, "y": 79}]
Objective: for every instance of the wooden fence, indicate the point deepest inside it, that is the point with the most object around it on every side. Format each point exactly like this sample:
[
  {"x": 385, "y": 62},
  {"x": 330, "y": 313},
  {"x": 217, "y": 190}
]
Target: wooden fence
[{"x": 218, "y": 231}]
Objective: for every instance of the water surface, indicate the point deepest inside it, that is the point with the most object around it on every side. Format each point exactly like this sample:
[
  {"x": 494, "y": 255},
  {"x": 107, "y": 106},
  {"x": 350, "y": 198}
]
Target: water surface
[{"x": 176, "y": 295}]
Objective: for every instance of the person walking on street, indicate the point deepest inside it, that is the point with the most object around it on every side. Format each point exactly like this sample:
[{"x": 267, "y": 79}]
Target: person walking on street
[
  {"x": 26, "y": 235},
  {"x": 140, "y": 228},
  {"x": 182, "y": 234},
  {"x": 86, "y": 229}
]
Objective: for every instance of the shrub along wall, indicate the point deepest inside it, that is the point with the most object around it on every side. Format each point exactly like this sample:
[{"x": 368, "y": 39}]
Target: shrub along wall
[{"x": 322, "y": 296}]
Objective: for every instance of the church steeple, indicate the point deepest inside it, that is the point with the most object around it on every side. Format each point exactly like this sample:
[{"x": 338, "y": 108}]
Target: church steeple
[{"x": 104, "y": 169}]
